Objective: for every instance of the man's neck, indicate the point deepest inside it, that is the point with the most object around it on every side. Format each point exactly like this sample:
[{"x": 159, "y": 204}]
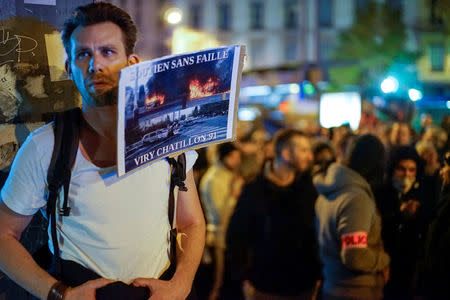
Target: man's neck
[
  {"x": 280, "y": 173},
  {"x": 101, "y": 120},
  {"x": 99, "y": 135}
]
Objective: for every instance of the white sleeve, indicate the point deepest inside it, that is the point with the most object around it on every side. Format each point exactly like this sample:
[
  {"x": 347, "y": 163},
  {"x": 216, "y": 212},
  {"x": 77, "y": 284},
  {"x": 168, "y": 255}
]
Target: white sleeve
[
  {"x": 24, "y": 190},
  {"x": 191, "y": 157}
]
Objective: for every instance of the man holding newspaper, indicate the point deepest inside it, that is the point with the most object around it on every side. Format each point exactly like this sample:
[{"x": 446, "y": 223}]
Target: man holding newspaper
[{"x": 118, "y": 229}]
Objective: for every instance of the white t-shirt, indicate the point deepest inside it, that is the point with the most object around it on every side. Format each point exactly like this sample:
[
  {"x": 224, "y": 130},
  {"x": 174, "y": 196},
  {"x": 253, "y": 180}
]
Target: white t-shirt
[{"x": 118, "y": 227}]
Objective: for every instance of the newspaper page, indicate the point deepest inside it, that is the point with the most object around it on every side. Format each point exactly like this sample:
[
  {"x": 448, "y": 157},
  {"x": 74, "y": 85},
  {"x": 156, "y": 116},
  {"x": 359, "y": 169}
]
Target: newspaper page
[{"x": 177, "y": 103}]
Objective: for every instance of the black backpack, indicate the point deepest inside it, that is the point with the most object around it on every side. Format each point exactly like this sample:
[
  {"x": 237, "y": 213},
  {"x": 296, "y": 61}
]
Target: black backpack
[{"x": 66, "y": 127}]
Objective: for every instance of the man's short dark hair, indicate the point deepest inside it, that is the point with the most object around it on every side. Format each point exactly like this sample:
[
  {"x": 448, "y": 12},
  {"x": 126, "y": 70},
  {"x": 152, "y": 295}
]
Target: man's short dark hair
[
  {"x": 100, "y": 12},
  {"x": 223, "y": 150},
  {"x": 283, "y": 138}
]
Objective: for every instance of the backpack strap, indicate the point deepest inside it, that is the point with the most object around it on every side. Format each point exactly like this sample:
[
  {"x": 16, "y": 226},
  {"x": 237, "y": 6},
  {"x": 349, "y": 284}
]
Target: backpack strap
[
  {"x": 177, "y": 177},
  {"x": 66, "y": 128}
]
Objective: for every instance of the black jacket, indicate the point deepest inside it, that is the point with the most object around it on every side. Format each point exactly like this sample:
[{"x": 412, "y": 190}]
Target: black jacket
[
  {"x": 271, "y": 238},
  {"x": 437, "y": 256}
]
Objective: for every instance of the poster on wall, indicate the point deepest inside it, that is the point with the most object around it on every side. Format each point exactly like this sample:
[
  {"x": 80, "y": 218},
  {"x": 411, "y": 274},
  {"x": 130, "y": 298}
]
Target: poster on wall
[{"x": 32, "y": 76}]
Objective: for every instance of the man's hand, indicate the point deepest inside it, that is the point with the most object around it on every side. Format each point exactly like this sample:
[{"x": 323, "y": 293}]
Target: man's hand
[
  {"x": 163, "y": 289},
  {"x": 87, "y": 290},
  {"x": 409, "y": 208}
]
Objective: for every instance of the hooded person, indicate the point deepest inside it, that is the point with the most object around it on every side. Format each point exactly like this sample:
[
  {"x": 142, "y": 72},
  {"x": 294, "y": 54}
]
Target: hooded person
[
  {"x": 355, "y": 265},
  {"x": 405, "y": 212}
]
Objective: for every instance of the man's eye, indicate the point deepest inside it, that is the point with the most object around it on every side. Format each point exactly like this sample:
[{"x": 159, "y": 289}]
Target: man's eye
[
  {"x": 81, "y": 55},
  {"x": 108, "y": 52}
]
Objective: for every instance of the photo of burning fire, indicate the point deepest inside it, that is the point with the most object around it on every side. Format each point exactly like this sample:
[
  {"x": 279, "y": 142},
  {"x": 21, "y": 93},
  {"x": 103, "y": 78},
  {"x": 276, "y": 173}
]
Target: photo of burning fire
[
  {"x": 153, "y": 100},
  {"x": 199, "y": 90},
  {"x": 182, "y": 85}
]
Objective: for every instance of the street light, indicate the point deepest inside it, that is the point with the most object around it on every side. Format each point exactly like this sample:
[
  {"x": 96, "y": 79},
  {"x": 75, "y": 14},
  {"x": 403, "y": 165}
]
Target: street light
[
  {"x": 414, "y": 94},
  {"x": 389, "y": 85},
  {"x": 173, "y": 15},
  {"x": 308, "y": 88}
]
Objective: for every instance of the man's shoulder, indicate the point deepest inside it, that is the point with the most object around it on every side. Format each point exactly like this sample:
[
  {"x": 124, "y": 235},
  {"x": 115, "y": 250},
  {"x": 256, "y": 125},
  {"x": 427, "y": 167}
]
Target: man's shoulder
[
  {"x": 39, "y": 142},
  {"x": 43, "y": 136},
  {"x": 216, "y": 173}
]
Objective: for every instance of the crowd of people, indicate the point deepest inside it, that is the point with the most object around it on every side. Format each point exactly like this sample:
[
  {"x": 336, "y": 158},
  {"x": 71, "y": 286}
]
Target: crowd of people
[{"x": 327, "y": 213}]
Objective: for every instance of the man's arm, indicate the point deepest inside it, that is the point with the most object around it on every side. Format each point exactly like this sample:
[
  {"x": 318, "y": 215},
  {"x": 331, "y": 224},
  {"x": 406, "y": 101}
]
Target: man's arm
[
  {"x": 15, "y": 261},
  {"x": 191, "y": 224},
  {"x": 354, "y": 225}
]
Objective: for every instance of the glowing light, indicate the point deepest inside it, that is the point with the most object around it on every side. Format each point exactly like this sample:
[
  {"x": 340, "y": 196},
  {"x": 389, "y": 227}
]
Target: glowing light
[
  {"x": 340, "y": 108},
  {"x": 389, "y": 85},
  {"x": 284, "y": 107},
  {"x": 248, "y": 113},
  {"x": 259, "y": 90},
  {"x": 294, "y": 88},
  {"x": 414, "y": 94},
  {"x": 173, "y": 15},
  {"x": 198, "y": 90},
  {"x": 448, "y": 104},
  {"x": 289, "y": 88},
  {"x": 308, "y": 88}
]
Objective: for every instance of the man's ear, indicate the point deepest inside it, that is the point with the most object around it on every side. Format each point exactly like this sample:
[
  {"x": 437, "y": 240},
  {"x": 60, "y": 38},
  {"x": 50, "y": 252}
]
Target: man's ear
[
  {"x": 68, "y": 69},
  {"x": 133, "y": 59}
]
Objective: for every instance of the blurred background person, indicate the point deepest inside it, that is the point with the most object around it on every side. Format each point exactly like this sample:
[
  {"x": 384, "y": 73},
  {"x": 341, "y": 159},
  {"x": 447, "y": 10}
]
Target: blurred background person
[
  {"x": 219, "y": 188},
  {"x": 438, "y": 137},
  {"x": 355, "y": 265},
  {"x": 428, "y": 152},
  {"x": 324, "y": 154},
  {"x": 405, "y": 210},
  {"x": 271, "y": 243},
  {"x": 251, "y": 145},
  {"x": 401, "y": 134},
  {"x": 338, "y": 134},
  {"x": 342, "y": 146},
  {"x": 426, "y": 120},
  {"x": 269, "y": 150},
  {"x": 436, "y": 276}
]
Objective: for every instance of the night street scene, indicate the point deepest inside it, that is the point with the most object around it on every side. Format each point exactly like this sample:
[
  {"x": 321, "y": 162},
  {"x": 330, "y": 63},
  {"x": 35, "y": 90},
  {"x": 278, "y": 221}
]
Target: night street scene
[{"x": 323, "y": 175}]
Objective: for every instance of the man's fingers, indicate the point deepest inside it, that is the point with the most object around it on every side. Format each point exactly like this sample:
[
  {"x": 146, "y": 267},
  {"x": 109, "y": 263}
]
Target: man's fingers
[
  {"x": 142, "y": 282},
  {"x": 101, "y": 282}
]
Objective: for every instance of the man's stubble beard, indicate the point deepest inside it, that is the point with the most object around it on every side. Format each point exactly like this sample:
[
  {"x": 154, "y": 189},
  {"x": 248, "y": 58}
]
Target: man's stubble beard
[{"x": 106, "y": 98}]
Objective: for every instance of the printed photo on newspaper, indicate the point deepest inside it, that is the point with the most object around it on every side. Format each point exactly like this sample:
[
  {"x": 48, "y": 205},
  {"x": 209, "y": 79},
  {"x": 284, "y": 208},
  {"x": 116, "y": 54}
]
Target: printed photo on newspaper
[{"x": 177, "y": 103}]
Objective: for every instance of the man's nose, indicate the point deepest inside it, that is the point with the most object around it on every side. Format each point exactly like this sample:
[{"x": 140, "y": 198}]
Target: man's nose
[
  {"x": 95, "y": 64},
  {"x": 410, "y": 173}
]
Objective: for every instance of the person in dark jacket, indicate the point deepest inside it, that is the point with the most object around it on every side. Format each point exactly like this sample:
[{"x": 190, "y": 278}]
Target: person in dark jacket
[
  {"x": 436, "y": 276},
  {"x": 405, "y": 211},
  {"x": 271, "y": 244}
]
